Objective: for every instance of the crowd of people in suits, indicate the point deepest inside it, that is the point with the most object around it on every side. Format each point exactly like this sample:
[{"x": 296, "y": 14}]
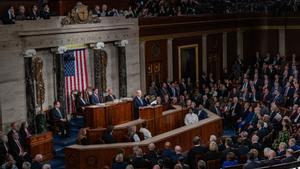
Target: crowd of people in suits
[
  {"x": 259, "y": 103},
  {"x": 14, "y": 147},
  {"x": 10, "y": 16},
  {"x": 154, "y": 8}
]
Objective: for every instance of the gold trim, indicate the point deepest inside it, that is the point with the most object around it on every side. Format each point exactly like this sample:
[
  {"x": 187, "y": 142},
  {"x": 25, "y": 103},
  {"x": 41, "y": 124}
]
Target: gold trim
[
  {"x": 75, "y": 46},
  {"x": 195, "y": 46}
]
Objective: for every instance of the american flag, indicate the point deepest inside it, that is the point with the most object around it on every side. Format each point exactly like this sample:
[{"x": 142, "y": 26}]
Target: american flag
[{"x": 76, "y": 75}]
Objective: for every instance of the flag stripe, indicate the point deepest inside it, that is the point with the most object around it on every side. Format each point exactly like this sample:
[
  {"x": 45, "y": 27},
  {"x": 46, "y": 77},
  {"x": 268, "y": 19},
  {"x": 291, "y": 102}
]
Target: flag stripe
[{"x": 76, "y": 77}]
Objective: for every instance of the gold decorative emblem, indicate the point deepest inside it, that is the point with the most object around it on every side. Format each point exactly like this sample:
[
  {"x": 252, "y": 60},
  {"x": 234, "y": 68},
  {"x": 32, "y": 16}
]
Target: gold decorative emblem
[{"x": 80, "y": 15}]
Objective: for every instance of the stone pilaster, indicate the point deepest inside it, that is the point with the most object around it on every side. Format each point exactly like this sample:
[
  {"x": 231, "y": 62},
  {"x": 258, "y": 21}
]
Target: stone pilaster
[
  {"x": 143, "y": 66},
  {"x": 240, "y": 41},
  {"x": 282, "y": 42},
  {"x": 170, "y": 59},
  {"x": 204, "y": 53},
  {"x": 224, "y": 50},
  {"x": 122, "y": 68},
  {"x": 29, "y": 83}
]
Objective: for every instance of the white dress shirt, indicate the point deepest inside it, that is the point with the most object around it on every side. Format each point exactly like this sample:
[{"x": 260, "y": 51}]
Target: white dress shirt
[
  {"x": 147, "y": 134},
  {"x": 190, "y": 118}
]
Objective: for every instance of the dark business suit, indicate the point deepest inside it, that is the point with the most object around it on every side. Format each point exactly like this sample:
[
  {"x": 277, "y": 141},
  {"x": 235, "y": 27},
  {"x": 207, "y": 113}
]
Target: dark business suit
[
  {"x": 55, "y": 117},
  {"x": 137, "y": 103},
  {"x": 80, "y": 103},
  {"x": 15, "y": 149},
  {"x": 95, "y": 99},
  {"x": 109, "y": 98},
  {"x": 7, "y": 18},
  {"x": 33, "y": 16},
  {"x": 36, "y": 165},
  {"x": 191, "y": 156}
]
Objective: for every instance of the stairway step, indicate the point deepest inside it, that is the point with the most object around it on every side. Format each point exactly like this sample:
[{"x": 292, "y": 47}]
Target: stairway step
[
  {"x": 65, "y": 141},
  {"x": 56, "y": 163}
]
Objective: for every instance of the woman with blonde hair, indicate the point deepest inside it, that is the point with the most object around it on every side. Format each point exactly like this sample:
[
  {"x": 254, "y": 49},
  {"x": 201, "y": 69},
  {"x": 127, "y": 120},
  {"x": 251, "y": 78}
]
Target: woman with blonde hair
[
  {"x": 82, "y": 138},
  {"x": 213, "y": 152}
]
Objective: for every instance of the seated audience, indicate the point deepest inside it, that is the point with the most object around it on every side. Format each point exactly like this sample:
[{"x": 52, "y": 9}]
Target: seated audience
[
  {"x": 147, "y": 134},
  {"x": 190, "y": 118},
  {"x": 281, "y": 149},
  {"x": 96, "y": 11},
  {"x": 230, "y": 160},
  {"x": 201, "y": 164},
  {"x": 82, "y": 138},
  {"x": 167, "y": 152},
  {"x": 59, "y": 118},
  {"x": 108, "y": 135},
  {"x": 119, "y": 162}
]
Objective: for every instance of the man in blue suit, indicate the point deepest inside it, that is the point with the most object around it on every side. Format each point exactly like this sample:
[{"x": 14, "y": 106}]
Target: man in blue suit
[
  {"x": 95, "y": 98},
  {"x": 138, "y": 101}
]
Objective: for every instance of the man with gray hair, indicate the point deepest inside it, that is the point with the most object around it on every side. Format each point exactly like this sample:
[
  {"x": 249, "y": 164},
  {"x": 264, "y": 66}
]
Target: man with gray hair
[
  {"x": 138, "y": 102},
  {"x": 37, "y": 161}
]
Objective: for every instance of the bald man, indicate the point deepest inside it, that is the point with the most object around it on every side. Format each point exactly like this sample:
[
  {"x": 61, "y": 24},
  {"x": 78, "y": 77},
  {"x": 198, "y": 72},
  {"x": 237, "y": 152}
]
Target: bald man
[
  {"x": 138, "y": 101},
  {"x": 110, "y": 96}
]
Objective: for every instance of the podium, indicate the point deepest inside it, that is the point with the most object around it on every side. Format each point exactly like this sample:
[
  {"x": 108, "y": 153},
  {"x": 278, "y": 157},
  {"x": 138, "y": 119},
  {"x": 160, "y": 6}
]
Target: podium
[
  {"x": 151, "y": 114},
  {"x": 100, "y": 116},
  {"x": 41, "y": 144}
]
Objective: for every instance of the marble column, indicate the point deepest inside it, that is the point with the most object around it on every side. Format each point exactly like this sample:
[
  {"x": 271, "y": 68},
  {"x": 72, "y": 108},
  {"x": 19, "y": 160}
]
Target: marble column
[
  {"x": 122, "y": 68},
  {"x": 224, "y": 50},
  {"x": 170, "y": 59},
  {"x": 240, "y": 44},
  {"x": 204, "y": 53},
  {"x": 29, "y": 83},
  {"x": 143, "y": 66},
  {"x": 100, "y": 65},
  {"x": 282, "y": 42},
  {"x": 59, "y": 72}
]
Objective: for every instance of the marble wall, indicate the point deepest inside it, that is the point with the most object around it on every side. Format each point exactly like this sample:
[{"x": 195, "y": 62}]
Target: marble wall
[{"x": 45, "y": 37}]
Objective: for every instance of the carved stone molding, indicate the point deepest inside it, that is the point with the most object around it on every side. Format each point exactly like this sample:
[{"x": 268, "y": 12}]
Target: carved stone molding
[{"x": 122, "y": 71}]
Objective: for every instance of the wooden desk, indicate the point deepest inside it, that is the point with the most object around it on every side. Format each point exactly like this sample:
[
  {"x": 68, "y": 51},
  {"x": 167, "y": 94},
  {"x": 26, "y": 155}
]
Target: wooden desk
[
  {"x": 41, "y": 144},
  {"x": 100, "y": 116},
  {"x": 121, "y": 130},
  {"x": 97, "y": 156}
]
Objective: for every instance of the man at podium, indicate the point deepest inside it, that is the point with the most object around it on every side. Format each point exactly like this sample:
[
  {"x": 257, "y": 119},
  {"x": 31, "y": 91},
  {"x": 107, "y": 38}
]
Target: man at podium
[
  {"x": 110, "y": 96},
  {"x": 138, "y": 101}
]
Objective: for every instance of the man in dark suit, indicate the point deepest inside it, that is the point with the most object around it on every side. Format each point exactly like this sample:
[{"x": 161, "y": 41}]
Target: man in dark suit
[
  {"x": 17, "y": 151},
  {"x": 95, "y": 98},
  {"x": 271, "y": 159},
  {"x": 197, "y": 149},
  {"x": 80, "y": 103},
  {"x": 9, "y": 16},
  {"x": 37, "y": 162},
  {"x": 34, "y": 14},
  {"x": 14, "y": 129},
  {"x": 110, "y": 96},
  {"x": 59, "y": 118},
  {"x": 138, "y": 101},
  {"x": 201, "y": 113}
]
